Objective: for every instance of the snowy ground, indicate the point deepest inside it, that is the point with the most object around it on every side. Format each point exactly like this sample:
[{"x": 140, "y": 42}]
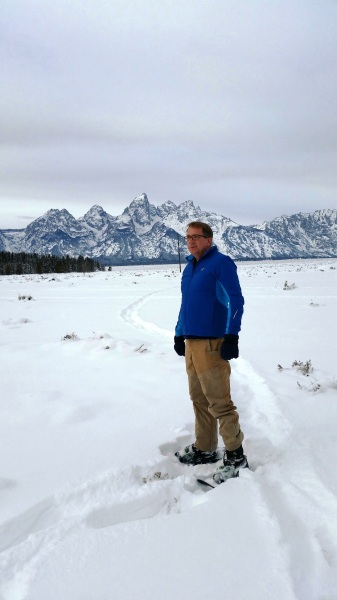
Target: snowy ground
[{"x": 94, "y": 402}]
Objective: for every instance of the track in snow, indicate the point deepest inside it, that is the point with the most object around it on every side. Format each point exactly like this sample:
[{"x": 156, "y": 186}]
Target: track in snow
[{"x": 131, "y": 315}]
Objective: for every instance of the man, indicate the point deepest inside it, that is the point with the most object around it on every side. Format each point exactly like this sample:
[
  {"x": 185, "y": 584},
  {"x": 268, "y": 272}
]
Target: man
[{"x": 207, "y": 335}]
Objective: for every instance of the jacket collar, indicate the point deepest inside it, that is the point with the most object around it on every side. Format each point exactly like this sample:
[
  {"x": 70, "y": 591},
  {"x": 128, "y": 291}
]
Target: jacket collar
[{"x": 212, "y": 249}]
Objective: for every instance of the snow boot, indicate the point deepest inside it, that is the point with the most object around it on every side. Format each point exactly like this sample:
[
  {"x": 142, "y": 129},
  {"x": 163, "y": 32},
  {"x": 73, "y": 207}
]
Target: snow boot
[
  {"x": 193, "y": 456},
  {"x": 233, "y": 461}
]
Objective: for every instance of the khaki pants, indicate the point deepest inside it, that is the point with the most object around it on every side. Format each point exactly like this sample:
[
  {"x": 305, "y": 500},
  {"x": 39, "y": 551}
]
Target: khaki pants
[{"x": 209, "y": 388}]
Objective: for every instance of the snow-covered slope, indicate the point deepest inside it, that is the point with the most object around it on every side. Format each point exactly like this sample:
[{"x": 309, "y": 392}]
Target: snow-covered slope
[{"x": 94, "y": 403}]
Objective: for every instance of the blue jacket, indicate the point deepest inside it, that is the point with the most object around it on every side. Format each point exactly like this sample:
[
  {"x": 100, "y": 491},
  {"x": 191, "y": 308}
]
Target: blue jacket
[{"x": 212, "y": 302}]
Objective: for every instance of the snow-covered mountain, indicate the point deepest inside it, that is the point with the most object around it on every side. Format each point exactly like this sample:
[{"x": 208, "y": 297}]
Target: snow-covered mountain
[{"x": 144, "y": 233}]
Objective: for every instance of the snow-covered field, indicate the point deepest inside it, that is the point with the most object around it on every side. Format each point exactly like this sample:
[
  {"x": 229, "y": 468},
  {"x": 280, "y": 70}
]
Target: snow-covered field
[{"x": 93, "y": 404}]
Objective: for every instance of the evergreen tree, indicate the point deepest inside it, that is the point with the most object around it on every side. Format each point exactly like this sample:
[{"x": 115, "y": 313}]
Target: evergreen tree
[{"x": 24, "y": 263}]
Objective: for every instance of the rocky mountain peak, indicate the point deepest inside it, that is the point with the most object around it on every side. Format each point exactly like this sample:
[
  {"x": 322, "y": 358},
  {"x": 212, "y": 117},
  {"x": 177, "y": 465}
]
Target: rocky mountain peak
[
  {"x": 142, "y": 213},
  {"x": 54, "y": 217},
  {"x": 188, "y": 208},
  {"x": 187, "y": 205},
  {"x": 96, "y": 218},
  {"x": 96, "y": 209},
  {"x": 141, "y": 201},
  {"x": 55, "y": 213},
  {"x": 166, "y": 209}
]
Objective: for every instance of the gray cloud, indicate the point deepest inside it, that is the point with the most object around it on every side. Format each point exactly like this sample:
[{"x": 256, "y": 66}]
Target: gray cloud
[{"x": 229, "y": 104}]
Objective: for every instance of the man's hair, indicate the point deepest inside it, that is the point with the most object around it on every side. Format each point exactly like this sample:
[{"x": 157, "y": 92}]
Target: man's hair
[{"x": 206, "y": 230}]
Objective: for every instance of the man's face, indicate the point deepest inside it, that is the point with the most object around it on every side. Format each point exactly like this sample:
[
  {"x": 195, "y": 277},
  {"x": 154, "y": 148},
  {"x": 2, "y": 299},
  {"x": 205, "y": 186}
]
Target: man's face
[{"x": 197, "y": 247}]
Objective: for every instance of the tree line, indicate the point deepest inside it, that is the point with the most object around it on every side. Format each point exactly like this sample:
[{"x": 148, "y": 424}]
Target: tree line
[{"x": 23, "y": 263}]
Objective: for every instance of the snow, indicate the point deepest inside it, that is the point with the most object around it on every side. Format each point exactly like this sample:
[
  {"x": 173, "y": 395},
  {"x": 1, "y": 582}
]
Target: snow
[{"x": 94, "y": 403}]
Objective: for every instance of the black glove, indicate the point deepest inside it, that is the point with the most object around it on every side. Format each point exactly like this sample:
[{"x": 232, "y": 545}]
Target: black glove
[
  {"x": 179, "y": 345},
  {"x": 230, "y": 347}
]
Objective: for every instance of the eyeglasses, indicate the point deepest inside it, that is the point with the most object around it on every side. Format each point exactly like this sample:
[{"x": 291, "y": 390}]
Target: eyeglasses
[{"x": 194, "y": 237}]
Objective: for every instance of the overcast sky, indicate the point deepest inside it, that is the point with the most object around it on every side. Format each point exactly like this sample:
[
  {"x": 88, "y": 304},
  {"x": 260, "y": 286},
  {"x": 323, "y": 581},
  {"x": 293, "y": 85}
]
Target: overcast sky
[{"x": 229, "y": 103}]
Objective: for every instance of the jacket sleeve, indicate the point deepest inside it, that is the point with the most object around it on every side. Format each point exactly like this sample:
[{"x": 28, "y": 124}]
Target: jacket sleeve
[
  {"x": 179, "y": 328},
  {"x": 229, "y": 293}
]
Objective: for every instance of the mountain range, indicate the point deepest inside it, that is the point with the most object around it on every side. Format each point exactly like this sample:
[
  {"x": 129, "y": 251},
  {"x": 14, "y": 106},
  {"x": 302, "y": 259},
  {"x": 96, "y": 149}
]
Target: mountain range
[{"x": 144, "y": 234}]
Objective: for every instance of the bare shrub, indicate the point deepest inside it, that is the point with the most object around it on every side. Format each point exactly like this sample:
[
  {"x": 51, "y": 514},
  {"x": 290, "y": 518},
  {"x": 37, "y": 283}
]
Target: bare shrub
[
  {"x": 141, "y": 349},
  {"x": 70, "y": 336},
  {"x": 289, "y": 286},
  {"x": 25, "y": 297},
  {"x": 304, "y": 368}
]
